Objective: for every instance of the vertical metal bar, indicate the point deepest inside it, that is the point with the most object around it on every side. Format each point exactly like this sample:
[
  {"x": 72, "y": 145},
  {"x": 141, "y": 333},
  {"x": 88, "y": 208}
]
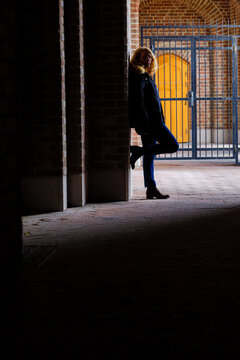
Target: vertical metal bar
[
  {"x": 229, "y": 94},
  {"x": 211, "y": 88},
  {"x": 188, "y": 85},
  {"x": 151, "y": 37},
  {"x": 176, "y": 84},
  {"x": 194, "y": 90},
  {"x": 182, "y": 88},
  {"x": 158, "y": 80},
  {"x": 233, "y": 100},
  {"x": 193, "y": 87},
  {"x": 235, "y": 97},
  {"x": 158, "y": 53},
  {"x": 216, "y": 45},
  {"x": 205, "y": 102},
  {"x": 223, "y": 101},
  {"x": 145, "y": 37},
  {"x": 164, "y": 73},
  {"x": 170, "y": 79},
  {"x": 199, "y": 94}
]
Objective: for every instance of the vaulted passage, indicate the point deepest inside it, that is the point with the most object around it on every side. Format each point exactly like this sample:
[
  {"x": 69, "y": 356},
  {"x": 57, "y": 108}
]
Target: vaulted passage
[{"x": 84, "y": 270}]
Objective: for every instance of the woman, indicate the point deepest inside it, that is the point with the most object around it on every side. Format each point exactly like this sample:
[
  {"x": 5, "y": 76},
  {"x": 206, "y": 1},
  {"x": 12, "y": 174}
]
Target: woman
[{"x": 146, "y": 116}]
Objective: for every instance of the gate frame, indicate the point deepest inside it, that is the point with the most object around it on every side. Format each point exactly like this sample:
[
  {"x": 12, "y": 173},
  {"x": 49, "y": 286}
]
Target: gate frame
[{"x": 192, "y": 99}]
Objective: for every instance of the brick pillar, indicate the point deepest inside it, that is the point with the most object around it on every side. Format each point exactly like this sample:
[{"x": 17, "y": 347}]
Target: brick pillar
[
  {"x": 135, "y": 33},
  {"x": 106, "y": 68},
  {"x": 75, "y": 102},
  {"x": 135, "y": 43},
  {"x": 43, "y": 106},
  {"x": 10, "y": 185}
]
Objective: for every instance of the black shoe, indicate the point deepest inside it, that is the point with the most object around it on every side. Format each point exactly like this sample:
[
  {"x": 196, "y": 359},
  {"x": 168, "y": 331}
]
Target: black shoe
[
  {"x": 153, "y": 192},
  {"x": 133, "y": 148},
  {"x": 136, "y": 152}
]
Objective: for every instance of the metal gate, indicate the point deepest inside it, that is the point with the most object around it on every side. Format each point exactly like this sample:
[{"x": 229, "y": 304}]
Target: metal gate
[{"x": 198, "y": 80}]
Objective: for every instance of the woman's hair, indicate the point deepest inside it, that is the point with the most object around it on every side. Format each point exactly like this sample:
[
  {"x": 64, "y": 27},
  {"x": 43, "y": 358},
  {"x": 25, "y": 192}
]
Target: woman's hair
[{"x": 135, "y": 59}]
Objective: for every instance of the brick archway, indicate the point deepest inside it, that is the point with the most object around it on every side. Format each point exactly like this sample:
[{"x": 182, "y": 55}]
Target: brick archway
[{"x": 208, "y": 10}]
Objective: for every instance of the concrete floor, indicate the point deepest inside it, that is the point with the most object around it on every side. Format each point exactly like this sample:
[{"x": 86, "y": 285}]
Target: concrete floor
[{"x": 144, "y": 279}]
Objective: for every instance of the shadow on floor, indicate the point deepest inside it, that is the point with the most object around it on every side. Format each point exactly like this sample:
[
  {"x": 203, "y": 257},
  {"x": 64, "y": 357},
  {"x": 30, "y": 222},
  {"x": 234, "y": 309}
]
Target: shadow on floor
[{"x": 155, "y": 292}]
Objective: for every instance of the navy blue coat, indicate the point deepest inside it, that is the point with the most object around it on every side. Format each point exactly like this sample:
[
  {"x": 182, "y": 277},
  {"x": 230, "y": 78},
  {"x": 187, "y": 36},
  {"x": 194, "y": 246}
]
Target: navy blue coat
[{"x": 145, "y": 109}]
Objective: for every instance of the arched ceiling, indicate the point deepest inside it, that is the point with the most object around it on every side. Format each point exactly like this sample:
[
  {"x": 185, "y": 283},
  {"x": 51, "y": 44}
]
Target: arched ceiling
[{"x": 209, "y": 7}]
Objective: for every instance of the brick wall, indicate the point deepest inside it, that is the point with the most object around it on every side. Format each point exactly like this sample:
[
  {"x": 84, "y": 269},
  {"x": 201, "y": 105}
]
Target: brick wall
[
  {"x": 43, "y": 104},
  {"x": 134, "y": 24},
  {"x": 42, "y": 79},
  {"x": 211, "y": 10},
  {"x": 166, "y": 12},
  {"x": 106, "y": 66},
  {"x": 235, "y": 11},
  {"x": 9, "y": 180}
]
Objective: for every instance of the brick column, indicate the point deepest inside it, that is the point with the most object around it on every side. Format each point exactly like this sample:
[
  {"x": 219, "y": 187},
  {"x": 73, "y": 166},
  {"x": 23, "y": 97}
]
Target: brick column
[
  {"x": 135, "y": 43},
  {"x": 135, "y": 33},
  {"x": 106, "y": 104},
  {"x": 75, "y": 102},
  {"x": 43, "y": 106}
]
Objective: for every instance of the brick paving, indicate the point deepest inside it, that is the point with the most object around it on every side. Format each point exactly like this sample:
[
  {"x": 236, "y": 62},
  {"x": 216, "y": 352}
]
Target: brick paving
[{"x": 149, "y": 279}]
